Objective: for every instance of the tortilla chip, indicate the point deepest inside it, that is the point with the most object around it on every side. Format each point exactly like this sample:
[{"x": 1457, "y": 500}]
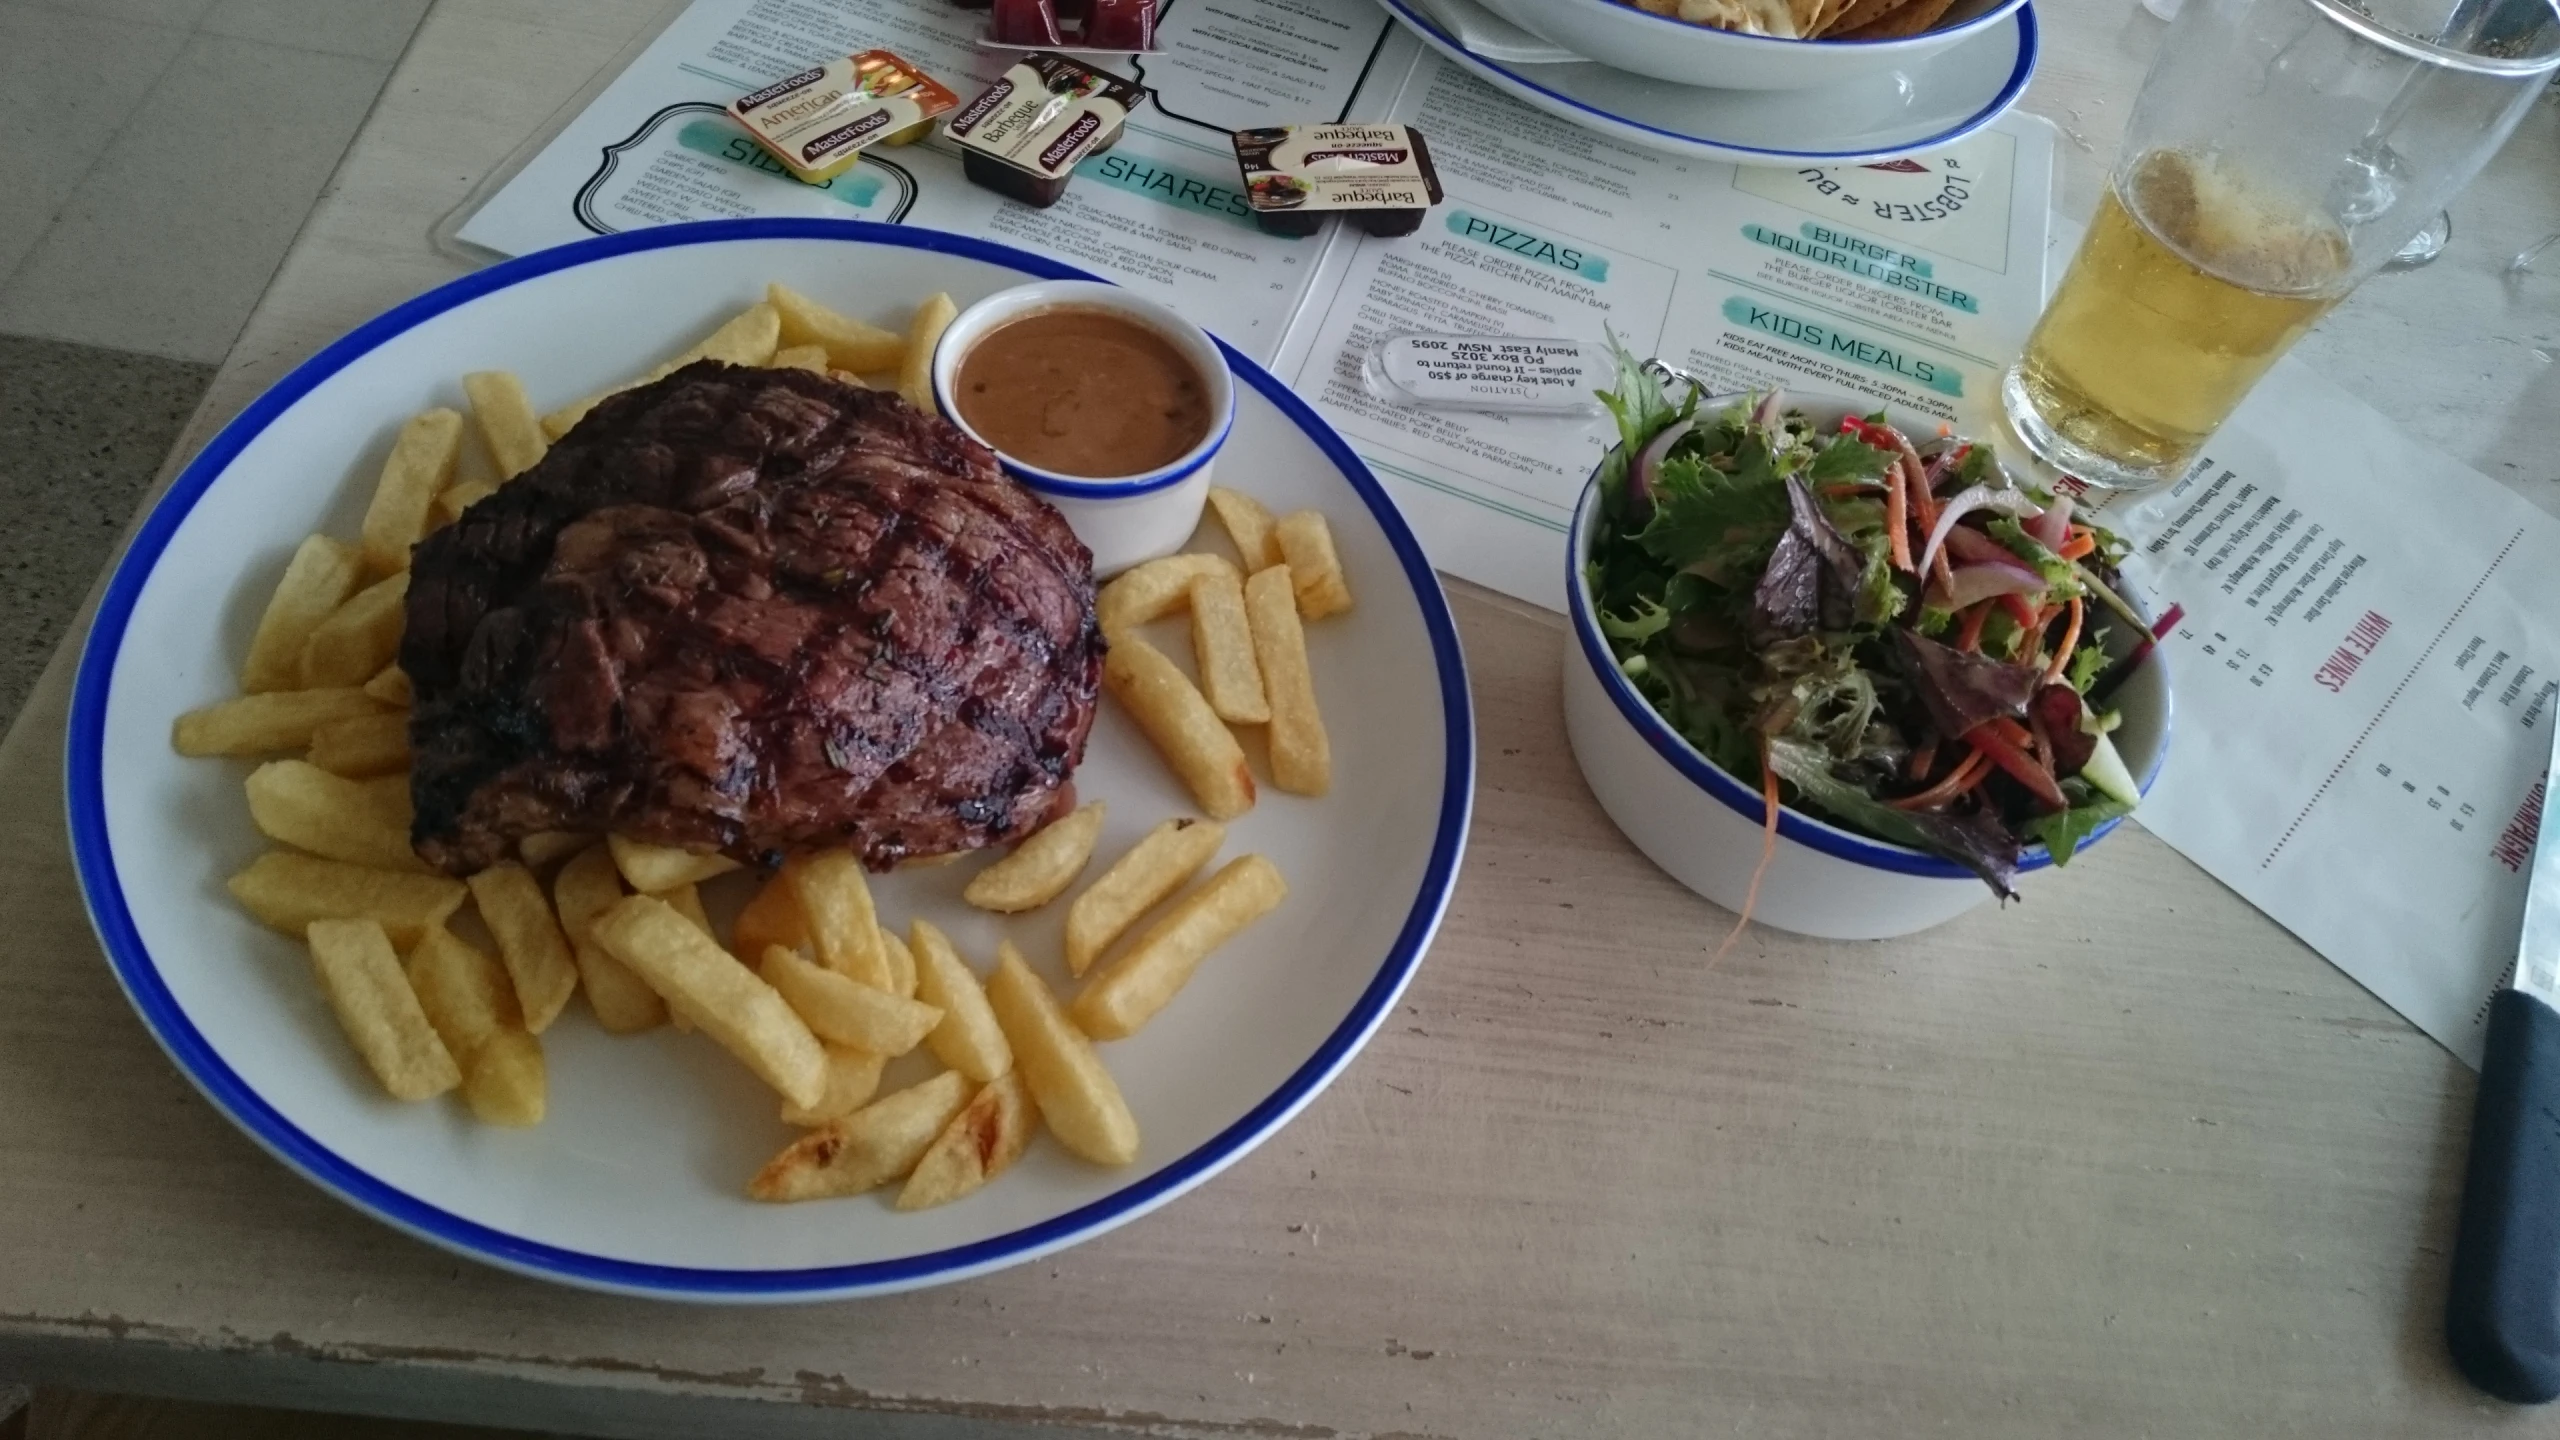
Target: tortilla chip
[
  {"x": 1853, "y": 14},
  {"x": 1805, "y": 14},
  {"x": 1911, "y": 19},
  {"x": 1719, "y": 14}
]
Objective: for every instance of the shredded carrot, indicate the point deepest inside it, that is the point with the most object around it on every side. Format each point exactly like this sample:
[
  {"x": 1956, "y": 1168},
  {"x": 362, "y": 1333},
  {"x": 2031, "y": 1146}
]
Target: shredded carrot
[
  {"x": 1945, "y": 429},
  {"x": 1958, "y": 781},
  {"x": 2062, "y": 652},
  {"x": 1924, "y": 506},
  {"x": 2016, "y": 605},
  {"x": 2009, "y": 730},
  {"x": 1897, "y": 516},
  {"x": 1970, "y": 638},
  {"x": 1768, "y": 852},
  {"x": 1994, "y": 737},
  {"x": 2081, "y": 543},
  {"x": 1924, "y": 759}
]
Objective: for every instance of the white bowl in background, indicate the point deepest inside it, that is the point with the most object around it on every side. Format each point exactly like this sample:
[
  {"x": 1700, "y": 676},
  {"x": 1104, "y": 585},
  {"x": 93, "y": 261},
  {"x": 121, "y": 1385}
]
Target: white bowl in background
[
  {"x": 1128, "y": 518},
  {"x": 1702, "y": 823},
  {"x": 1640, "y": 41}
]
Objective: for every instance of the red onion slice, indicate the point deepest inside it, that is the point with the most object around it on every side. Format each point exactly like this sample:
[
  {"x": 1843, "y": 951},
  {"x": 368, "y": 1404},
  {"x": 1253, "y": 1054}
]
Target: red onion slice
[
  {"x": 1647, "y": 467},
  {"x": 1964, "y": 502}
]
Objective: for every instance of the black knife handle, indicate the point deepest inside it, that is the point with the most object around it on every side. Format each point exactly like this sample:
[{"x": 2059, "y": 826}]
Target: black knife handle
[{"x": 2502, "y": 1319}]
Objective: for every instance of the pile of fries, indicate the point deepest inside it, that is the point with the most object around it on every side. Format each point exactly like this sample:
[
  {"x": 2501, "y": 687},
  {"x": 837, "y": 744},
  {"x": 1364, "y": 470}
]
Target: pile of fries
[{"x": 807, "y": 987}]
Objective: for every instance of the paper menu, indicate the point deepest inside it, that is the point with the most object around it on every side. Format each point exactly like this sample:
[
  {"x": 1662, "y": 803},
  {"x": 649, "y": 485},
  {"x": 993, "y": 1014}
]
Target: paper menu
[
  {"x": 2365, "y": 669},
  {"x": 1162, "y": 211},
  {"x": 1909, "y": 281},
  {"x": 1899, "y": 281}
]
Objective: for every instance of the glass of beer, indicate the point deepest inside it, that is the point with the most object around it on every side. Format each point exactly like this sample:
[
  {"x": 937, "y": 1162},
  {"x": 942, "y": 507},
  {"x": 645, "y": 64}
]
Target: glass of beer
[{"x": 2280, "y": 152}]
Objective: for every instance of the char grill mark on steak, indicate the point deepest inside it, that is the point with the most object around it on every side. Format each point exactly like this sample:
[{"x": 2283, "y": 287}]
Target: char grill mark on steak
[{"x": 756, "y": 611}]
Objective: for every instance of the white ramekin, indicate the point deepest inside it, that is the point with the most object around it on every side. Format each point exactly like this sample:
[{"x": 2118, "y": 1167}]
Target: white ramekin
[
  {"x": 1130, "y": 518},
  {"x": 1702, "y": 824}
]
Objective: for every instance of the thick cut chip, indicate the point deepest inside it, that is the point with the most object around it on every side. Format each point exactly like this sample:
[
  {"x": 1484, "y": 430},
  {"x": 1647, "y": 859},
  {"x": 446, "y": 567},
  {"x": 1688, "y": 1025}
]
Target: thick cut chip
[
  {"x": 1155, "y": 867},
  {"x": 724, "y": 998},
  {"x": 812, "y": 358},
  {"x": 835, "y": 901},
  {"x": 1306, "y": 547},
  {"x": 507, "y": 423},
  {"x": 1222, "y": 643},
  {"x": 967, "y": 1038},
  {"x": 420, "y": 467},
  {"x": 288, "y": 891},
  {"x": 1152, "y": 591},
  {"x": 264, "y": 723},
  {"x": 319, "y": 578},
  {"x": 507, "y": 1083},
  {"x": 652, "y": 868},
  {"x": 686, "y": 900},
  {"x": 363, "y": 822},
  {"x": 772, "y": 918},
  {"x": 902, "y": 964},
  {"x": 360, "y": 637},
  {"x": 1185, "y": 731},
  {"x": 870, "y": 1147},
  {"x": 853, "y": 1077},
  {"x": 979, "y": 1144},
  {"x": 512, "y": 905},
  {"x": 363, "y": 745},
  {"x": 362, "y": 977},
  {"x": 585, "y": 888},
  {"x": 390, "y": 685},
  {"x": 465, "y": 992},
  {"x": 850, "y": 344},
  {"x": 845, "y": 1012},
  {"x": 1041, "y": 868},
  {"x": 1130, "y": 990},
  {"x": 1248, "y": 524},
  {"x": 472, "y": 1004},
  {"x": 915, "y": 367},
  {"x": 1301, "y": 752},
  {"x": 1077, "y": 1096}
]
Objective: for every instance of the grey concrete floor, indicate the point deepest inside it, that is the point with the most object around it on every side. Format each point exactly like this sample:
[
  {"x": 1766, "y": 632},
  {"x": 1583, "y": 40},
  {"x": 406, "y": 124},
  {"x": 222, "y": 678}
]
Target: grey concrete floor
[
  {"x": 127, "y": 263},
  {"x": 82, "y": 431}
]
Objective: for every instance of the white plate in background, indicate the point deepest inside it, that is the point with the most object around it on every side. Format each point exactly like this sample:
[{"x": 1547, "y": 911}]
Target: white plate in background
[{"x": 1923, "y": 105}]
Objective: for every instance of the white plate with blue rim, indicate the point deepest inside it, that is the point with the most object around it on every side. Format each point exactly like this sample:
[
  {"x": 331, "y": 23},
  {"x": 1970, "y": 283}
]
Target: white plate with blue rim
[
  {"x": 634, "y": 1183},
  {"x": 1928, "y": 103}
]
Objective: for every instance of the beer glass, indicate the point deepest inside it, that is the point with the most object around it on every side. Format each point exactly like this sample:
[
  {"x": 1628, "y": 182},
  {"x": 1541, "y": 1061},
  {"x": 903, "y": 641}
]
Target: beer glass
[{"x": 2280, "y": 152}]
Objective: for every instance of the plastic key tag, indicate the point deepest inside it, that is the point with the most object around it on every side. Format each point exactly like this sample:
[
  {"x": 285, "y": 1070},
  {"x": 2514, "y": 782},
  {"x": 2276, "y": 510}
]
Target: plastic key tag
[{"x": 1497, "y": 374}]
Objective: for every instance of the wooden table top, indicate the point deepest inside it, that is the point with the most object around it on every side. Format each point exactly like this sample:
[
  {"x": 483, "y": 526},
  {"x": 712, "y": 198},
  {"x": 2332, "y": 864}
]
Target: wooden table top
[{"x": 2125, "y": 1159}]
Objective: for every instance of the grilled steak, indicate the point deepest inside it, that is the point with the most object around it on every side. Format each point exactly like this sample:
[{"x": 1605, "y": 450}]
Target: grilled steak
[{"x": 752, "y": 611}]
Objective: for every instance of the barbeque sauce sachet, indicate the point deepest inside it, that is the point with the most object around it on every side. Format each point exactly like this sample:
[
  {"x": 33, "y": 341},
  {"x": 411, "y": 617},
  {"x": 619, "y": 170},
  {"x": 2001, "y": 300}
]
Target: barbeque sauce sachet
[
  {"x": 1028, "y": 131},
  {"x": 1380, "y": 177}
]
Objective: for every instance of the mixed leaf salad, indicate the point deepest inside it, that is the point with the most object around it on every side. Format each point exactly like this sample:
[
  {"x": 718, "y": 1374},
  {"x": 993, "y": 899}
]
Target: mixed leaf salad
[{"x": 1892, "y": 635}]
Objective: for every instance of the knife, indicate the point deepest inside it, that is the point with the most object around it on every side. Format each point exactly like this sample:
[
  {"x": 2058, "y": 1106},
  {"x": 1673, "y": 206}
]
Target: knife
[{"x": 2502, "y": 1319}]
